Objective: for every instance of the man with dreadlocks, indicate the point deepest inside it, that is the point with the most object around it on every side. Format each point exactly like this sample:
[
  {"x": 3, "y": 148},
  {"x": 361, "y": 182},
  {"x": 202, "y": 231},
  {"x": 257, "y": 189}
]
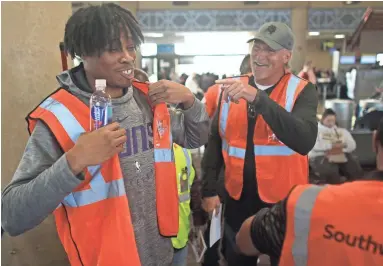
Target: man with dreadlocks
[{"x": 111, "y": 190}]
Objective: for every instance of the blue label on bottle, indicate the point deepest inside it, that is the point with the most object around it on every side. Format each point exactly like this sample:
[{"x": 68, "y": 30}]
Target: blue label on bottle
[
  {"x": 98, "y": 117},
  {"x": 110, "y": 114}
]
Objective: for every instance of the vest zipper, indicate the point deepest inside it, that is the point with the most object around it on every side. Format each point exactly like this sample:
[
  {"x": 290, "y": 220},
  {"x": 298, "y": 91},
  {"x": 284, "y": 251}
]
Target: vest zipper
[{"x": 70, "y": 233}]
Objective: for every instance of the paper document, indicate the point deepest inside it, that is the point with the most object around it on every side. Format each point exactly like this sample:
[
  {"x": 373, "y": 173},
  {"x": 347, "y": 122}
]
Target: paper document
[{"x": 215, "y": 226}]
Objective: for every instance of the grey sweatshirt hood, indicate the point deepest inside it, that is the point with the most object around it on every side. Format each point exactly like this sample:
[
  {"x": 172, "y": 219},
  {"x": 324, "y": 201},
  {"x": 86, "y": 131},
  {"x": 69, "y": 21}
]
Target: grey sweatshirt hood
[
  {"x": 66, "y": 79},
  {"x": 76, "y": 82}
]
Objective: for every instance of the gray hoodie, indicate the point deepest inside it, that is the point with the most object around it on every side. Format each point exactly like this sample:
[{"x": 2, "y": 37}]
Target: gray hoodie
[{"x": 43, "y": 177}]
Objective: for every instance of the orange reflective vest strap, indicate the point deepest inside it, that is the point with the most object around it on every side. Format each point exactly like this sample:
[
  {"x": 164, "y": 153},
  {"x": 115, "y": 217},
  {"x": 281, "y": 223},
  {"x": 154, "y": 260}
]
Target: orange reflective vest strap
[
  {"x": 98, "y": 234},
  {"x": 211, "y": 99},
  {"x": 166, "y": 182},
  {"x": 78, "y": 218},
  {"x": 165, "y": 169},
  {"x": 334, "y": 225},
  {"x": 234, "y": 135}
]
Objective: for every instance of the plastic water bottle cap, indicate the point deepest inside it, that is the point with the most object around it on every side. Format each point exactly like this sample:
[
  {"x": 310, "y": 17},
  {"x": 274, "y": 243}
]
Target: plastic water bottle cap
[{"x": 100, "y": 83}]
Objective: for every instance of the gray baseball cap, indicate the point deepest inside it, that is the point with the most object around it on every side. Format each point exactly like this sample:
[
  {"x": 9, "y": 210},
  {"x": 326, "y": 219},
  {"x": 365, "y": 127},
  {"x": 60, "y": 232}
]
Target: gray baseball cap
[{"x": 276, "y": 35}]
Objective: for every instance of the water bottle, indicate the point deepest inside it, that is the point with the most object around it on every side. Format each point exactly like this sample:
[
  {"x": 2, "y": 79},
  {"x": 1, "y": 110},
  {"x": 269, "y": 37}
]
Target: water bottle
[{"x": 100, "y": 106}]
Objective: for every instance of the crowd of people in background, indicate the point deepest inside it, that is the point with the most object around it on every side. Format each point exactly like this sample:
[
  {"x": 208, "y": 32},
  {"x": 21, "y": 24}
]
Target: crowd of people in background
[
  {"x": 198, "y": 83},
  {"x": 324, "y": 162}
]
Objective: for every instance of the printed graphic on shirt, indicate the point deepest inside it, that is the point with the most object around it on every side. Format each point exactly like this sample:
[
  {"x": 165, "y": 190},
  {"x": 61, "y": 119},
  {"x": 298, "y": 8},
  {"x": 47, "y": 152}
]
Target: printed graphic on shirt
[
  {"x": 332, "y": 136},
  {"x": 273, "y": 139},
  {"x": 139, "y": 139}
]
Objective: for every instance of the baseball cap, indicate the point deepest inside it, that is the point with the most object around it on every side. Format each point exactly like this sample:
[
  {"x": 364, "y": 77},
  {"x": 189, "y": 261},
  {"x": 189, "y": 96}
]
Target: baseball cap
[{"x": 276, "y": 35}]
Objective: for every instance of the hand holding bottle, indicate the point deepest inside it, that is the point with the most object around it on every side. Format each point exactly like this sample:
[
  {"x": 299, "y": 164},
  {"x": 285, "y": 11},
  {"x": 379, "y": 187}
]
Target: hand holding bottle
[{"x": 93, "y": 148}]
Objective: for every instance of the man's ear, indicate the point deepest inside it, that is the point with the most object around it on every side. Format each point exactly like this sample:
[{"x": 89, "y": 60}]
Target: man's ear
[{"x": 287, "y": 57}]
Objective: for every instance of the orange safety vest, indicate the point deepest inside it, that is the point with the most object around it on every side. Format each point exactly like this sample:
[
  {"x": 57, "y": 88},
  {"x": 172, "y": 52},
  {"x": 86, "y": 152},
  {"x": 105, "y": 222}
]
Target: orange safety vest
[
  {"x": 94, "y": 222},
  {"x": 334, "y": 225},
  {"x": 211, "y": 99},
  {"x": 278, "y": 168}
]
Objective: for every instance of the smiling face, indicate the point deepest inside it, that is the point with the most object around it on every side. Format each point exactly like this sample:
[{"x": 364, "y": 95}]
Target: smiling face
[
  {"x": 115, "y": 64},
  {"x": 268, "y": 65}
]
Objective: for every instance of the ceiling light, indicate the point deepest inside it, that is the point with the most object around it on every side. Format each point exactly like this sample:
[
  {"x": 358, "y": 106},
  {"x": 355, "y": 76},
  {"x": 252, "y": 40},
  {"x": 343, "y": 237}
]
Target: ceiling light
[
  {"x": 153, "y": 35},
  {"x": 314, "y": 33},
  {"x": 351, "y": 2},
  {"x": 339, "y": 36}
]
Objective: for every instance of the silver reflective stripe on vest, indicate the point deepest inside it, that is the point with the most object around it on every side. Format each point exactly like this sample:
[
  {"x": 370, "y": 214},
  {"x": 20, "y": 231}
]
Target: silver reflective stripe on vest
[
  {"x": 65, "y": 117},
  {"x": 186, "y": 195},
  {"x": 163, "y": 155},
  {"x": 272, "y": 150},
  {"x": 292, "y": 86},
  {"x": 233, "y": 151},
  {"x": 225, "y": 111},
  {"x": 99, "y": 189},
  {"x": 302, "y": 218},
  {"x": 223, "y": 117}
]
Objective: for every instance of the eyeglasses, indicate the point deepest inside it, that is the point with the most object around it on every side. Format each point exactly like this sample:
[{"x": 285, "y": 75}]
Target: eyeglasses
[{"x": 259, "y": 49}]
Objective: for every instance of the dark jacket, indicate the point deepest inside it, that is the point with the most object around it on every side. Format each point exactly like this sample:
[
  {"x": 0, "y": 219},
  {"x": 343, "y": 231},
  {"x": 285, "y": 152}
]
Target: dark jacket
[{"x": 200, "y": 217}]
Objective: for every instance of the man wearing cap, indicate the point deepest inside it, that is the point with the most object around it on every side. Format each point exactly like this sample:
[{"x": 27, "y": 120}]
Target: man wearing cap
[{"x": 264, "y": 127}]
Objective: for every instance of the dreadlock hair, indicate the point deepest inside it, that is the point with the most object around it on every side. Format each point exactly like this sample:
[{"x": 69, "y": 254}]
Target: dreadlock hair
[{"x": 93, "y": 30}]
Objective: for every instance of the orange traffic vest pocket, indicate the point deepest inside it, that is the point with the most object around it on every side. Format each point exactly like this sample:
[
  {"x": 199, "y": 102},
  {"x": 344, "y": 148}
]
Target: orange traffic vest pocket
[
  {"x": 234, "y": 185},
  {"x": 108, "y": 223},
  {"x": 274, "y": 183},
  {"x": 234, "y": 162}
]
